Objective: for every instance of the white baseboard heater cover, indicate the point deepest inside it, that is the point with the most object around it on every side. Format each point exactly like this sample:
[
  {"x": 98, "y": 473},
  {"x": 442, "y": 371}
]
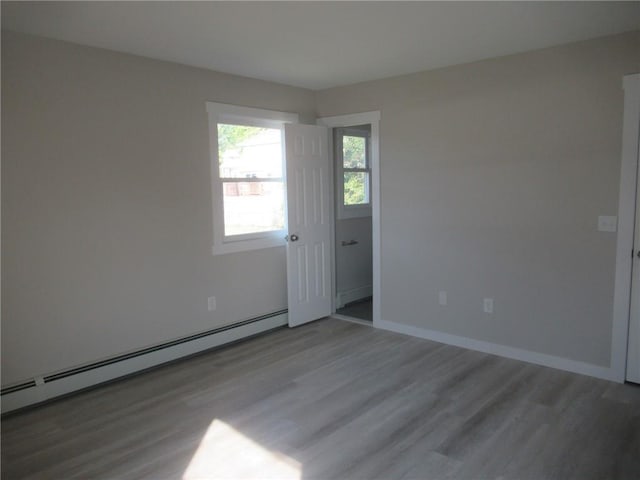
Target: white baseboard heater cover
[{"x": 47, "y": 387}]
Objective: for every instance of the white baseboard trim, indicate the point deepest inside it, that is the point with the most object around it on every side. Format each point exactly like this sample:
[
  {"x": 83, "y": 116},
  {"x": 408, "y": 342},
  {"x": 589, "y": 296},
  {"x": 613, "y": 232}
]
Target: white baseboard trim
[
  {"x": 502, "y": 350},
  {"x": 47, "y": 387},
  {"x": 348, "y": 296}
]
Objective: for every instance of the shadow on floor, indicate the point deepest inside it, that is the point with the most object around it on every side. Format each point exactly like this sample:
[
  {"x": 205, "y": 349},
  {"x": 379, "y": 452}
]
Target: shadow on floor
[{"x": 362, "y": 309}]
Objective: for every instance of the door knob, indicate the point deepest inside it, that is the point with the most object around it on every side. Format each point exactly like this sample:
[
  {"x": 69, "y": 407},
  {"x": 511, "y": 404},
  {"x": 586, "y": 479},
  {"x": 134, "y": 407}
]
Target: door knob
[{"x": 293, "y": 238}]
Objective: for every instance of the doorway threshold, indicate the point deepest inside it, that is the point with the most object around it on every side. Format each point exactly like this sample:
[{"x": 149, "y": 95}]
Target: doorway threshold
[{"x": 345, "y": 318}]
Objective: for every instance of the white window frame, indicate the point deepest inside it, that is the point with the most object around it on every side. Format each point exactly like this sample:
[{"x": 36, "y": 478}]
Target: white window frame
[
  {"x": 233, "y": 114},
  {"x": 363, "y": 209}
]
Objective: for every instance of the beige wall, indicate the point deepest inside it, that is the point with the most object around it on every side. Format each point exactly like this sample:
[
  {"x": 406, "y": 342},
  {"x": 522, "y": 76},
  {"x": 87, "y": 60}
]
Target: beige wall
[
  {"x": 106, "y": 205},
  {"x": 492, "y": 178},
  {"x": 493, "y": 175}
]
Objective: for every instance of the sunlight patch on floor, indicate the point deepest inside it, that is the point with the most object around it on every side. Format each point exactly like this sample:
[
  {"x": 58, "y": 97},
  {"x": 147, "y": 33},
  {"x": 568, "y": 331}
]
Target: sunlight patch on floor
[{"x": 225, "y": 453}]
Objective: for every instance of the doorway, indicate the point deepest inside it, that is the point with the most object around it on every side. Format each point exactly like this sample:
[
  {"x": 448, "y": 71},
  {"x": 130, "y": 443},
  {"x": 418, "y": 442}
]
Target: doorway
[
  {"x": 353, "y": 230},
  {"x": 632, "y": 148},
  {"x": 356, "y": 226},
  {"x": 625, "y": 346}
]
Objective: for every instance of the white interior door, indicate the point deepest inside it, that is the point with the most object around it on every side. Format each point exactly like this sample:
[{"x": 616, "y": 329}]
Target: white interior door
[
  {"x": 633, "y": 349},
  {"x": 309, "y": 215}
]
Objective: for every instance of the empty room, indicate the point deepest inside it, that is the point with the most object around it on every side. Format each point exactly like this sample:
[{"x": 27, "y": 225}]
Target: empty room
[{"x": 320, "y": 240}]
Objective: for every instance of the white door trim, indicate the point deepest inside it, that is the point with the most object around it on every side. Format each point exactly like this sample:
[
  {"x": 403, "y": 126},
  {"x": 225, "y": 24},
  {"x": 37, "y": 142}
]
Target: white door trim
[
  {"x": 372, "y": 118},
  {"x": 626, "y": 224}
]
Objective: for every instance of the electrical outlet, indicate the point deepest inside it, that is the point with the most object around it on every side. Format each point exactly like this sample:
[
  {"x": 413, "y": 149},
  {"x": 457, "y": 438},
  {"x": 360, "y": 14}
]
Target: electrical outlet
[
  {"x": 488, "y": 305},
  {"x": 211, "y": 303},
  {"x": 607, "y": 223},
  {"x": 442, "y": 298}
]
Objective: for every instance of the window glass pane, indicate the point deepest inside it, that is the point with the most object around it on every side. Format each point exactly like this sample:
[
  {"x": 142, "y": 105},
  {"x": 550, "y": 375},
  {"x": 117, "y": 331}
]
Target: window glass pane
[
  {"x": 354, "y": 152},
  {"x": 249, "y": 152},
  {"x": 251, "y": 207},
  {"x": 356, "y": 188}
]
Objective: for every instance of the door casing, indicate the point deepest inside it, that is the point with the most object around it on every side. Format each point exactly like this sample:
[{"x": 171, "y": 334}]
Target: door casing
[{"x": 373, "y": 119}]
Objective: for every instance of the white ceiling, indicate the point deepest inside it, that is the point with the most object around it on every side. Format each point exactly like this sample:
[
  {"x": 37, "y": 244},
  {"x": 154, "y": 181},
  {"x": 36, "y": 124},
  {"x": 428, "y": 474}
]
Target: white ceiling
[{"x": 321, "y": 44}]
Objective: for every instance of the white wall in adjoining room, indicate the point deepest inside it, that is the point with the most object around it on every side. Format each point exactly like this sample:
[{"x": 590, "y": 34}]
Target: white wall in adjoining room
[{"x": 353, "y": 262}]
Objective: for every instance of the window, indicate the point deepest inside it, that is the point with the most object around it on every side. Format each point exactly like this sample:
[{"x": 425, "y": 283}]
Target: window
[
  {"x": 353, "y": 170},
  {"x": 247, "y": 163}
]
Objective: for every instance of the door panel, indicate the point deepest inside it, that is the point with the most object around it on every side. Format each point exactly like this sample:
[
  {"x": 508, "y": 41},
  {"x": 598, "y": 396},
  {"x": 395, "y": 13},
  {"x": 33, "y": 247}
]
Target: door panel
[{"x": 308, "y": 205}]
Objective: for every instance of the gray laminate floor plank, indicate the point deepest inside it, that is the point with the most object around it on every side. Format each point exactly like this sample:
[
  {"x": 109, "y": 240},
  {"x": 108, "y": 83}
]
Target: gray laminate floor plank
[{"x": 334, "y": 400}]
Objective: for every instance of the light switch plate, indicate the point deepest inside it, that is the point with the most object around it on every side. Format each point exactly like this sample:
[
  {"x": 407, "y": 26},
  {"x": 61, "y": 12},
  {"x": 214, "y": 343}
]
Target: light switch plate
[
  {"x": 607, "y": 223},
  {"x": 442, "y": 298},
  {"x": 488, "y": 305}
]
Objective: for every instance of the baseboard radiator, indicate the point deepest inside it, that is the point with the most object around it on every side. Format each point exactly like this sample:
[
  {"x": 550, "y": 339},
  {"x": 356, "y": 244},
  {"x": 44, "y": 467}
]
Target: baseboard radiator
[{"x": 56, "y": 384}]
